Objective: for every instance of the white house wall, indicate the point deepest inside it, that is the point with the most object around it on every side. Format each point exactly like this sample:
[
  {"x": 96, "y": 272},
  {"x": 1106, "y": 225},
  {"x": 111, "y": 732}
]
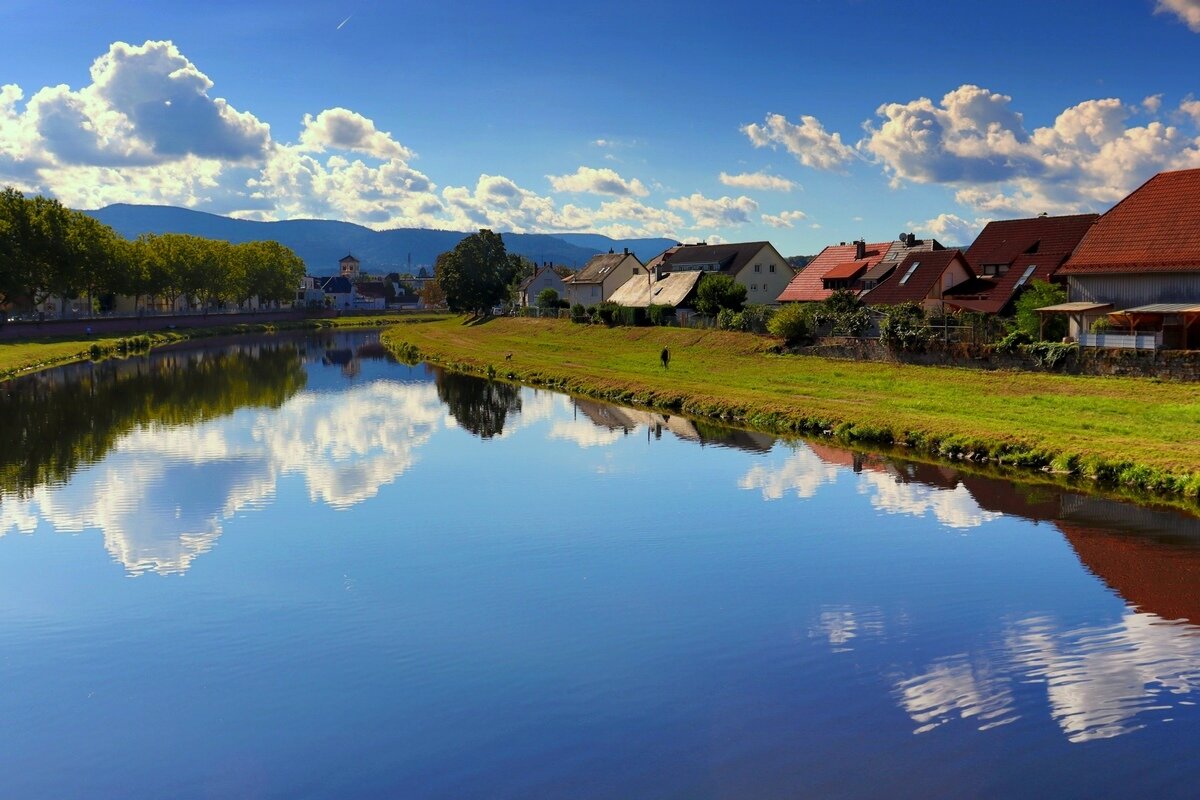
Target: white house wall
[{"x": 762, "y": 285}]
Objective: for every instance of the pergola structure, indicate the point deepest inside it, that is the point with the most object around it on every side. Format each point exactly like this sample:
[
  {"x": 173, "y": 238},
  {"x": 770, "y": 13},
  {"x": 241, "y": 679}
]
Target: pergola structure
[
  {"x": 1160, "y": 316},
  {"x": 1077, "y": 313}
]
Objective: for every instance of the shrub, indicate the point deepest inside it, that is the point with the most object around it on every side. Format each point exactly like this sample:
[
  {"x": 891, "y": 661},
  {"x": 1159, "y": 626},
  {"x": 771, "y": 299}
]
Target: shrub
[
  {"x": 1102, "y": 325},
  {"x": 844, "y": 313},
  {"x": 1014, "y": 342},
  {"x": 791, "y": 322},
  {"x": 660, "y": 315},
  {"x": 579, "y": 313},
  {"x": 608, "y": 312},
  {"x": 756, "y": 317},
  {"x": 905, "y": 329},
  {"x": 1052, "y": 355},
  {"x": 725, "y": 319},
  {"x": 547, "y": 298}
]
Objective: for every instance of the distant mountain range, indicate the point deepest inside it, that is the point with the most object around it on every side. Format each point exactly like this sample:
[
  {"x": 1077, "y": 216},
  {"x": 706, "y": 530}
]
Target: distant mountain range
[{"x": 322, "y": 242}]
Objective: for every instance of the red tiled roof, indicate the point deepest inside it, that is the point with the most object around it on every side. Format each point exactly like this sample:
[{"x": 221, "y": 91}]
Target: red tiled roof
[
  {"x": 1051, "y": 238},
  {"x": 1153, "y": 575},
  {"x": 929, "y": 268},
  {"x": 808, "y": 284},
  {"x": 1155, "y": 229},
  {"x": 1008, "y": 242},
  {"x": 847, "y": 271}
]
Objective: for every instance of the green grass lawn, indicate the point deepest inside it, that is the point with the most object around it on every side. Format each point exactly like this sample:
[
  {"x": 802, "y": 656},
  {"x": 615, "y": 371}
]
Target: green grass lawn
[
  {"x": 1139, "y": 432},
  {"x": 19, "y": 357}
]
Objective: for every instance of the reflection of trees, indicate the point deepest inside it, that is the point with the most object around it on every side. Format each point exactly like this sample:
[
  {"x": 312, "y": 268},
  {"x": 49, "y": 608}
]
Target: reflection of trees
[
  {"x": 56, "y": 422},
  {"x": 479, "y": 405}
]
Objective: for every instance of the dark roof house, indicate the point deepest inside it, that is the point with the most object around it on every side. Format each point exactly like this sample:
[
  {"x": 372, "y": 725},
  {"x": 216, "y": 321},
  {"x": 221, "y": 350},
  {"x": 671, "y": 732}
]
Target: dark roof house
[
  {"x": 1008, "y": 255},
  {"x": 922, "y": 277},
  {"x": 859, "y": 266}
]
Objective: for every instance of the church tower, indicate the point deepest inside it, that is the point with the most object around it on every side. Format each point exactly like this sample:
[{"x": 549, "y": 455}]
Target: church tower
[{"x": 349, "y": 266}]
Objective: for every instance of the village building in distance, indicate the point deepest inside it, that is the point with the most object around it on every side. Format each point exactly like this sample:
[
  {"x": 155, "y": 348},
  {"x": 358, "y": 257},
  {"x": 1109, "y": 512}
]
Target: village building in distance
[
  {"x": 602, "y": 275},
  {"x": 543, "y": 278},
  {"x": 672, "y": 277}
]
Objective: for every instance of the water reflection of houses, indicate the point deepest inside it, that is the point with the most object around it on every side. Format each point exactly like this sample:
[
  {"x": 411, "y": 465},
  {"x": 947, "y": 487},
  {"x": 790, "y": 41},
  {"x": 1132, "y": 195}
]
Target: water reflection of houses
[
  {"x": 338, "y": 352},
  {"x": 1150, "y": 557},
  {"x": 628, "y": 420}
]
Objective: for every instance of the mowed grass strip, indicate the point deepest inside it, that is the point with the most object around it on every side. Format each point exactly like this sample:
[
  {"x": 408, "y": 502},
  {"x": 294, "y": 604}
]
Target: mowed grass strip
[
  {"x": 1120, "y": 423},
  {"x": 19, "y": 357}
]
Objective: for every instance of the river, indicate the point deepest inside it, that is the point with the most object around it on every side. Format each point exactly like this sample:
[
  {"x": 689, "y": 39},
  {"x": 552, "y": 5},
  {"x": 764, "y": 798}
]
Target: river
[{"x": 290, "y": 566}]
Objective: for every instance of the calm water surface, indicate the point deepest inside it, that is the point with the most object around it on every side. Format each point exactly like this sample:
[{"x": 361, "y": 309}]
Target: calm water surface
[{"x": 291, "y": 567}]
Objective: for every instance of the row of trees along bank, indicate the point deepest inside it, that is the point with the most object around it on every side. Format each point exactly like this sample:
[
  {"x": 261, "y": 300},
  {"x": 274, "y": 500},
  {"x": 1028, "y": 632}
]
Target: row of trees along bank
[{"x": 48, "y": 250}]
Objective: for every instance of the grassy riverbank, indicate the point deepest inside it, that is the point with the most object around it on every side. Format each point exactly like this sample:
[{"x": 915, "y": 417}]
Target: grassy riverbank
[
  {"x": 29, "y": 355},
  {"x": 1134, "y": 432}
]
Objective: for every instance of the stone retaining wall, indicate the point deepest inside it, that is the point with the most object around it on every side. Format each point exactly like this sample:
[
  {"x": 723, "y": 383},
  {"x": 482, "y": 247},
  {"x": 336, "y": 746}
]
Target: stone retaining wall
[{"x": 1176, "y": 365}]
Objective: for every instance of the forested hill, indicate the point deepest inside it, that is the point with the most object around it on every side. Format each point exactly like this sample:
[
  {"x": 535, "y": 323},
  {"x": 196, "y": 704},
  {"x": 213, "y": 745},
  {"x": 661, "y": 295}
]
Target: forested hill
[{"x": 322, "y": 242}]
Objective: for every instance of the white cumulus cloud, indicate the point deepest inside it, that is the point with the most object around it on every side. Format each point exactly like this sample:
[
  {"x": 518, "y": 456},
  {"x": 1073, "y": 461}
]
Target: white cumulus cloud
[
  {"x": 784, "y": 219},
  {"x": 598, "y": 181},
  {"x": 807, "y": 140},
  {"x": 974, "y": 141},
  {"x": 757, "y": 180},
  {"x": 1187, "y": 10},
  {"x": 343, "y": 129},
  {"x": 721, "y": 212}
]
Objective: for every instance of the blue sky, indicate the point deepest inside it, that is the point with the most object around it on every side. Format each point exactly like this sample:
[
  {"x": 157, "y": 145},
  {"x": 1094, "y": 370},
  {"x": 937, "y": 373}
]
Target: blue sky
[{"x": 620, "y": 117}]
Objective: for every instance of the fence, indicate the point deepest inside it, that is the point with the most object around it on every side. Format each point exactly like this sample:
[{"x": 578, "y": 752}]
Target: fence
[{"x": 1122, "y": 341}]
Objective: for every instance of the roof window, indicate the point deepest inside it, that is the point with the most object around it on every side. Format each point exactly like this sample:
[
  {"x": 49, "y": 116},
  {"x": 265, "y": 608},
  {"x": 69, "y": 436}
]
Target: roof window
[
  {"x": 910, "y": 272},
  {"x": 1025, "y": 276}
]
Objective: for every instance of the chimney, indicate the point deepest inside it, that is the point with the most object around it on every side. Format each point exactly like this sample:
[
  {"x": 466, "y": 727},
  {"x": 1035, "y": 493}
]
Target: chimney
[
  {"x": 860, "y": 250},
  {"x": 911, "y": 240},
  {"x": 626, "y": 251}
]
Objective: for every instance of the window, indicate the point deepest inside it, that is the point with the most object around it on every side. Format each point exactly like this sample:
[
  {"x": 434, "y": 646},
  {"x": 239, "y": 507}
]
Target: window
[
  {"x": 758, "y": 267},
  {"x": 1025, "y": 276},
  {"x": 637, "y": 271},
  {"x": 910, "y": 272},
  {"x": 754, "y": 287},
  {"x": 772, "y": 268}
]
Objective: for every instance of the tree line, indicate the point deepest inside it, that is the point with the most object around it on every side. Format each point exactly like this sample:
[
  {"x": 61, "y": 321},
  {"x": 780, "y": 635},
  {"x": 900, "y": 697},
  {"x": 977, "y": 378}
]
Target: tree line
[{"x": 48, "y": 250}]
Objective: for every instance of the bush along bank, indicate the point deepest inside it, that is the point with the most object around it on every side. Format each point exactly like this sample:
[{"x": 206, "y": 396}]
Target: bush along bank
[{"x": 933, "y": 441}]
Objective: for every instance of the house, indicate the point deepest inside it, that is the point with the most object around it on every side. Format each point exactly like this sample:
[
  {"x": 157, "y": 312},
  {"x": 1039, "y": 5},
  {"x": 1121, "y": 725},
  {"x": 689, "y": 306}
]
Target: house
[
  {"x": 600, "y": 277},
  {"x": 543, "y": 278},
  {"x": 1143, "y": 257},
  {"x": 756, "y": 265},
  {"x": 674, "y": 289},
  {"x": 370, "y": 295},
  {"x": 401, "y": 291},
  {"x": 922, "y": 277},
  {"x": 859, "y": 266},
  {"x": 1008, "y": 255},
  {"x": 339, "y": 292}
]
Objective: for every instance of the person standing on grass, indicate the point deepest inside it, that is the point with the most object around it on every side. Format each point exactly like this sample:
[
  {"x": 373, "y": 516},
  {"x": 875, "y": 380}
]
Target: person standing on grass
[{"x": 666, "y": 358}]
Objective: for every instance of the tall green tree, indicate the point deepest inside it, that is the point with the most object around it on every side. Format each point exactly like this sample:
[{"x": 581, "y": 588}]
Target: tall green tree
[
  {"x": 717, "y": 292},
  {"x": 476, "y": 274},
  {"x": 1040, "y": 294},
  {"x": 15, "y": 234}
]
